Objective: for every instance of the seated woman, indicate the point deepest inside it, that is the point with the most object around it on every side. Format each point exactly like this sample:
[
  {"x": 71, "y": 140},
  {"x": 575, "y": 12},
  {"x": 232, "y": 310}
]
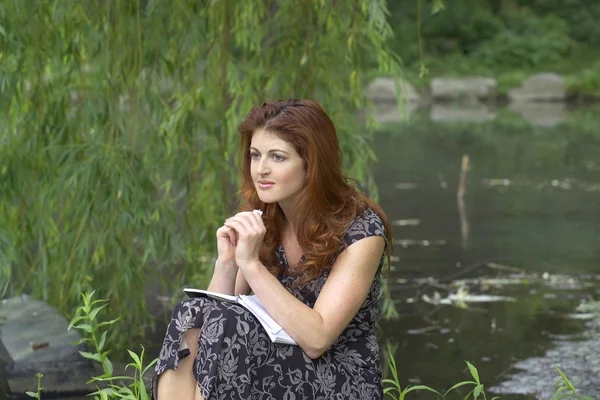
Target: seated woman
[{"x": 313, "y": 259}]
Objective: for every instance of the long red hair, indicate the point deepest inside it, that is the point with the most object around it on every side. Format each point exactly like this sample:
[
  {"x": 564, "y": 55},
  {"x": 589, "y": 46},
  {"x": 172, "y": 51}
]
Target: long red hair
[{"x": 327, "y": 204}]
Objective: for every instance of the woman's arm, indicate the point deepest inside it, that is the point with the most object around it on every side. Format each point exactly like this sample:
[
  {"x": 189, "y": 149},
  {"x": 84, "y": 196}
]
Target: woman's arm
[
  {"x": 241, "y": 286},
  {"x": 228, "y": 279},
  {"x": 316, "y": 329},
  {"x": 224, "y": 277}
]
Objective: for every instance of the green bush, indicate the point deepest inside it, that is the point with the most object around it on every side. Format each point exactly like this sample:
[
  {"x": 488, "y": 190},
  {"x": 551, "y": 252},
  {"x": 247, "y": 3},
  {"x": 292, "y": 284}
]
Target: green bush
[
  {"x": 526, "y": 42},
  {"x": 582, "y": 16},
  {"x": 587, "y": 83},
  {"x": 495, "y": 36}
]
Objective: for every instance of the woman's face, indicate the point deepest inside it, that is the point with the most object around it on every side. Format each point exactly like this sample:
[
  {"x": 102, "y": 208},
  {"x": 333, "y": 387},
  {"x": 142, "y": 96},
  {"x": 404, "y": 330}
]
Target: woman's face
[{"x": 277, "y": 169}]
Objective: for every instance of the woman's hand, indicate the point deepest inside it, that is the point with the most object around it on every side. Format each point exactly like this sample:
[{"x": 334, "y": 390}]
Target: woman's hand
[
  {"x": 226, "y": 242},
  {"x": 249, "y": 230}
]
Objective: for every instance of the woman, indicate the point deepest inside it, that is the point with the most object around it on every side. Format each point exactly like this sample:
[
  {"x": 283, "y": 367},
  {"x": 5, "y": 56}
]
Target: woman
[{"x": 313, "y": 258}]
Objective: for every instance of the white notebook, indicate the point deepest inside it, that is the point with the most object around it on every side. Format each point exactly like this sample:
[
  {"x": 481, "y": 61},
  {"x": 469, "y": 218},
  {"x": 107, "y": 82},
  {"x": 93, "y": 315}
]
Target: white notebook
[{"x": 276, "y": 333}]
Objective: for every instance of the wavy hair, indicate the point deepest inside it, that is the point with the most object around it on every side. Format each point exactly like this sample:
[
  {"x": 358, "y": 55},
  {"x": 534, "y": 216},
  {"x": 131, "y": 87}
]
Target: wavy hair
[{"x": 327, "y": 204}]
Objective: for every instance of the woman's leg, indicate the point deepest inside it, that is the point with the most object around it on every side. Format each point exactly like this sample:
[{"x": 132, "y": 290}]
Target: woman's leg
[{"x": 180, "y": 383}]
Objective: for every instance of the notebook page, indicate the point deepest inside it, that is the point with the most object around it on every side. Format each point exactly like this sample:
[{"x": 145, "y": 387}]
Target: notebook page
[{"x": 255, "y": 305}]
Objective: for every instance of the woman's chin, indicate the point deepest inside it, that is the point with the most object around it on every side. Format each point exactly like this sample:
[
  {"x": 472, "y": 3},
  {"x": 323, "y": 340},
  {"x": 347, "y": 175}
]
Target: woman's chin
[{"x": 266, "y": 200}]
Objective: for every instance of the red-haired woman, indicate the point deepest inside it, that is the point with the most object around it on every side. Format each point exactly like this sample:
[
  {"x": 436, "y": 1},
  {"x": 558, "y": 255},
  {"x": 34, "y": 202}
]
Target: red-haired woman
[{"x": 313, "y": 258}]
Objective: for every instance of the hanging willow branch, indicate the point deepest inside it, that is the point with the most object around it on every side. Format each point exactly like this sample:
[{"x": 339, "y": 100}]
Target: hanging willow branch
[{"x": 118, "y": 127}]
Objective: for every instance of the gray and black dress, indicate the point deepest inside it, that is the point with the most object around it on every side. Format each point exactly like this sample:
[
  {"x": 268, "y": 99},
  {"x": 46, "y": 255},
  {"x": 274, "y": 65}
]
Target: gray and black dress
[{"x": 236, "y": 359}]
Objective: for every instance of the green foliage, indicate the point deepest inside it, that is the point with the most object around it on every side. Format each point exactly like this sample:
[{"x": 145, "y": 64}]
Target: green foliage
[
  {"x": 586, "y": 82},
  {"x": 95, "y": 333},
  {"x": 526, "y": 41},
  {"x": 496, "y": 37},
  {"x": 478, "y": 388},
  {"x": 392, "y": 388},
  {"x": 38, "y": 393},
  {"x": 581, "y": 16},
  {"x": 565, "y": 389},
  {"x": 118, "y": 129}
]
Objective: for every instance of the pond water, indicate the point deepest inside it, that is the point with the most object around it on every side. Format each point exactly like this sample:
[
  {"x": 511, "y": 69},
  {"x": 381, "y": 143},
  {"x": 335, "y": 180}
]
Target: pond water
[{"x": 530, "y": 213}]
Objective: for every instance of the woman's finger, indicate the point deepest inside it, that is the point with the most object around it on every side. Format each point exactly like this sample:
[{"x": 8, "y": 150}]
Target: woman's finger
[
  {"x": 244, "y": 220},
  {"x": 235, "y": 224},
  {"x": 228, "y": 233},
  {"x": 256, "y": 221}
]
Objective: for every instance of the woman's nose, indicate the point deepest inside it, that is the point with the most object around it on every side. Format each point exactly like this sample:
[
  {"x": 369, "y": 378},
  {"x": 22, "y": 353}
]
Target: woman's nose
[{"x": 263, "y": 167}]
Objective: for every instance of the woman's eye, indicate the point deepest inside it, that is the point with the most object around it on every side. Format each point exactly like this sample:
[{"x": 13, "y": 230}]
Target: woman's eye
[
  {"x": 254, "y": 156},
  {"x": 278, "y": 157}
]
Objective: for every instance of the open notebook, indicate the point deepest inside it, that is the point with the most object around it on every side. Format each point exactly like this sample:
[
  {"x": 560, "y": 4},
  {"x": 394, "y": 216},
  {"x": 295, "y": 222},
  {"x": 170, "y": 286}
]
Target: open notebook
[{"x": 252, "y": 304}]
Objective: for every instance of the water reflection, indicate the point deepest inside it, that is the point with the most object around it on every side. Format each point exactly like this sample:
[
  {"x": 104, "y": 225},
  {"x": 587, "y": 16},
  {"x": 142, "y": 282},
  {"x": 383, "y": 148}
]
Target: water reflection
[{"x": 531, "y": 203}]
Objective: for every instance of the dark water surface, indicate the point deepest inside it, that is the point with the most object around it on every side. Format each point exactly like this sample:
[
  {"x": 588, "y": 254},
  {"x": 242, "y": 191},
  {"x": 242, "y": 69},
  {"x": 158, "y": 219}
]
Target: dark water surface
[{"x": 532, "y": 203}]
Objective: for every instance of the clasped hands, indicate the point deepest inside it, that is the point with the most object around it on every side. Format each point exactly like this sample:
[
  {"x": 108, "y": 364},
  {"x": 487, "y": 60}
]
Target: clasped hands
[{"x": 239, "y": 240}]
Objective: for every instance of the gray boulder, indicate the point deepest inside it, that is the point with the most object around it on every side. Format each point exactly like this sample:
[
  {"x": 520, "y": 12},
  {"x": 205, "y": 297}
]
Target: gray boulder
[
  {"x": 469, "y": 88},
  {"x": 34, "y": 338},
  {"x": 546, "y": 86},
  {"x": 385, "y": 90}
]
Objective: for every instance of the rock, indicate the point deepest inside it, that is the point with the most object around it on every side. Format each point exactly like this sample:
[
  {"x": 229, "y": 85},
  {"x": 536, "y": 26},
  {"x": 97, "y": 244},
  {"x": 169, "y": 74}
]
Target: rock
[
  {"x": 383, "y": 90},
  {"x": 461, "y": 112},
  {"x": 34, "y": 338},
  {"x": 545, "y": 115},
  {"x": 476, "y": 87},
  {"x": 546, "y": 86}
]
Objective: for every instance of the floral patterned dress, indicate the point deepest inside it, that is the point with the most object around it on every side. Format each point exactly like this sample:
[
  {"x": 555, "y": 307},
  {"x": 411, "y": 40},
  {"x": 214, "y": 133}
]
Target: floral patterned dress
[{"x": 237, "y": 360}]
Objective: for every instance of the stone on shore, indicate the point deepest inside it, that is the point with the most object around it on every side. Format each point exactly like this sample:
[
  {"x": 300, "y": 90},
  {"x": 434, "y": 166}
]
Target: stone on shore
[
  {"x": 385, "y": 90},
  {"x": 457, "y": 89},
  {"x": 34, "y": 338},
  {"x": 545, "y": 86}
]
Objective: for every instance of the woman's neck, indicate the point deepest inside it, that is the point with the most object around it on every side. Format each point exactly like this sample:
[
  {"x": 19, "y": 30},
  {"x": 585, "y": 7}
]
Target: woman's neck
[{"x": 287, "y": 213}]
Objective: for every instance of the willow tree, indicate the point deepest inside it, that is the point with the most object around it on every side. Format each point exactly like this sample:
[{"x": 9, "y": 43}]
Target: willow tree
[{"x": 118, "y": 128}]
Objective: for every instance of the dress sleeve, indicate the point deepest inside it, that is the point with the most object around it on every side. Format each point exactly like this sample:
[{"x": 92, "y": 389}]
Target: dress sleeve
[{"x": 367, "y": 224}]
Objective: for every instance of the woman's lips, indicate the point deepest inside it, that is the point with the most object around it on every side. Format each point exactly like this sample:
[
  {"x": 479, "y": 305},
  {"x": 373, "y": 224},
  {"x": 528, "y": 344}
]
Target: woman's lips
[{"x": 265, "y": 185}]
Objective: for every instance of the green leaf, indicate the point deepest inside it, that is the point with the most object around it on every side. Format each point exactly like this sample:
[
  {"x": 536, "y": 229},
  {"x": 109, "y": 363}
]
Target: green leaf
[
  {"x": 85, "y": 327},
  {"x": 75, "y": 320},
  {"x": 95, "y": 312},
  {"x": 107, "y": 323},
  {"x": 91, "y": 356},
  {"x": 149, "y": 366},
  {"x": 102, "y": 341},
  {"x": 566, "y": 380},
  {"x": 143, "y": 395},
  {"x": 32, "y": 394},
  {"x": 135, "y": 357},
  {"x": 473, "y": 371},
  {"x": 421, "y": 387},
  {"x": 477, "y": 391},
  {"x": 460, "y": 384},
  {"x": 107, "y": 366}
]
